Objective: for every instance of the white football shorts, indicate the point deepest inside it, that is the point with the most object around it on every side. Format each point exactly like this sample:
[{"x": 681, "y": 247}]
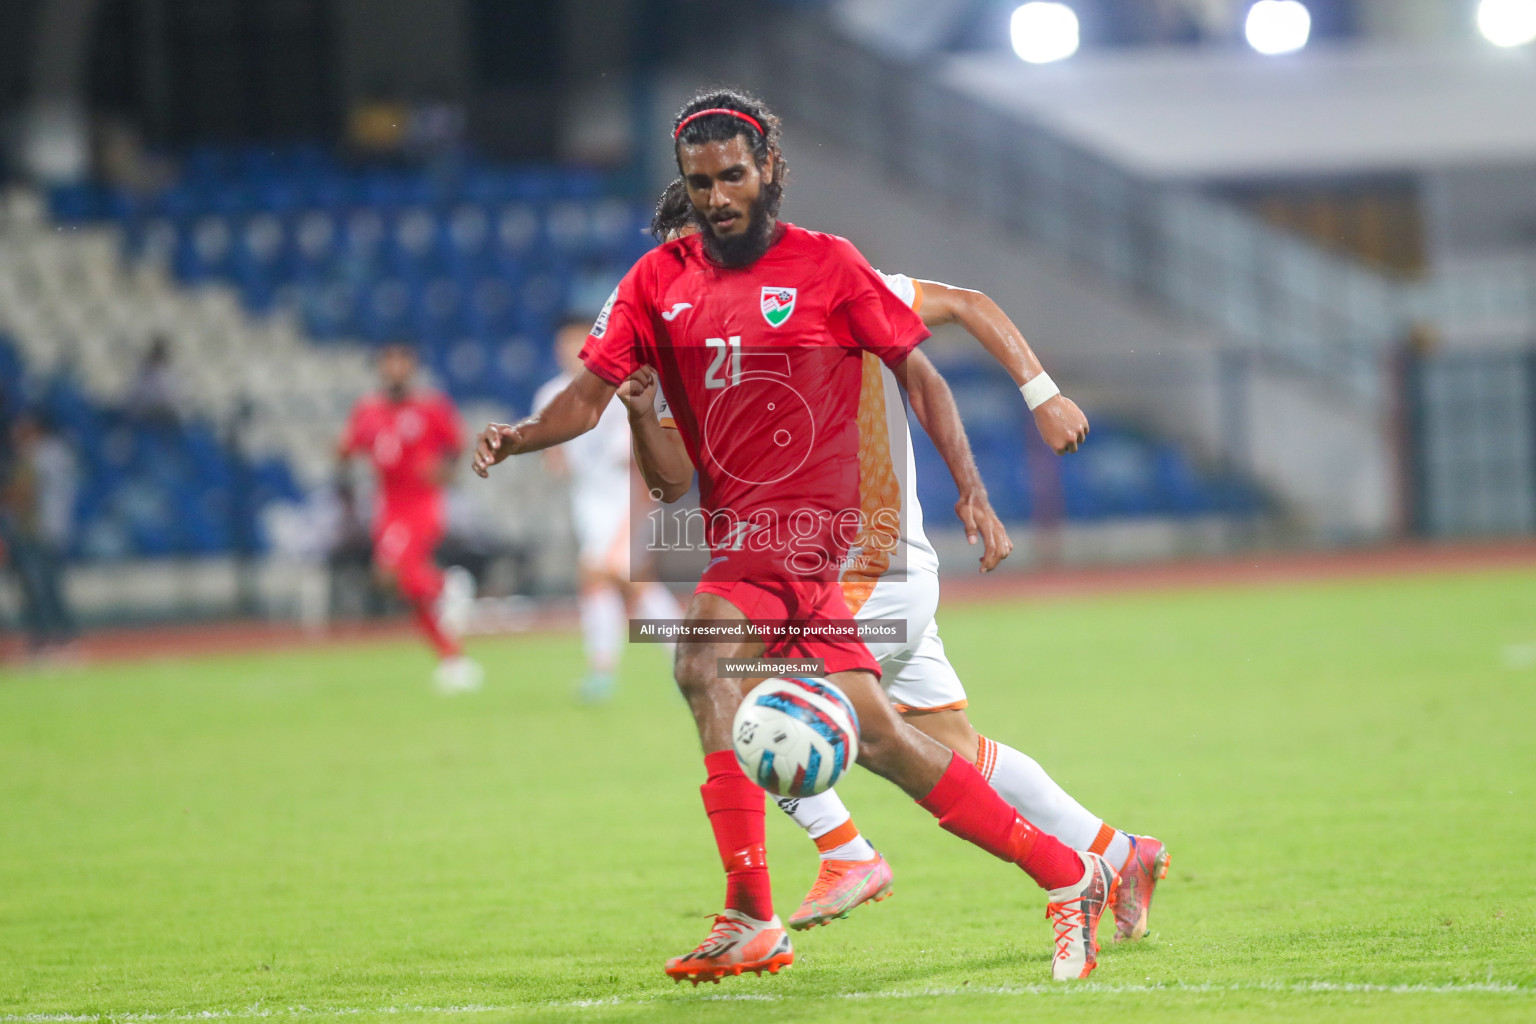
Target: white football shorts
[
  {"x": 916, "y": 674},
  {"x": 603, "y": 534}
]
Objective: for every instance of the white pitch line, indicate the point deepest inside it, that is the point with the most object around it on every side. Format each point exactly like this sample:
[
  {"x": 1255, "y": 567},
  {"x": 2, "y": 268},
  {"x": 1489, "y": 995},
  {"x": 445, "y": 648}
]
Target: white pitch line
[{"x": 1087, "y": 988}]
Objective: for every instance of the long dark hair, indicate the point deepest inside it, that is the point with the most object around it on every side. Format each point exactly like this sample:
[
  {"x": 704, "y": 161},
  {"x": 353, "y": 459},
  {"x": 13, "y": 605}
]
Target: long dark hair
[{"x": 674, "y": 211}]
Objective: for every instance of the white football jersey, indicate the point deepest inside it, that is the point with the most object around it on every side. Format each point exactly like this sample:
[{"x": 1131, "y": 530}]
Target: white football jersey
[{"x": 598, "y": 461}]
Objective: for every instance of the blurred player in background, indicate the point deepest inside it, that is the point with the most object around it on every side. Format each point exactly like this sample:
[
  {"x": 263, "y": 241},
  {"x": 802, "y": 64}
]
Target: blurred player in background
[
  {"x": 748, "y": 272},
  {"x": 38, "y": 483},
  {"x": 412, "y": 437},
  {"x": 606, "y": 504},
  {"x": 899, "y": 579}
]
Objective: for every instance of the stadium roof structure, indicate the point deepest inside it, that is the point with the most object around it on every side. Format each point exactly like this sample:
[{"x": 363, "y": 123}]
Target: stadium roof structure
[{"x": 1193, "y": 115}]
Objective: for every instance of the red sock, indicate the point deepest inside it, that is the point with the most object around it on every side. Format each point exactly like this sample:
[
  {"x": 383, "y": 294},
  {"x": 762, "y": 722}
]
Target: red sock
[
  {"x": 972, "y": 810},
  {"x": 735, "y": 808},
  {"x": 425, "y": 612}
]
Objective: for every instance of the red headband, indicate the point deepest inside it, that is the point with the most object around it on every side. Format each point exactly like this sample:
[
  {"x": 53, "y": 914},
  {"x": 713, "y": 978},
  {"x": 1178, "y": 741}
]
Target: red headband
[{"x": 718, "y": 110}]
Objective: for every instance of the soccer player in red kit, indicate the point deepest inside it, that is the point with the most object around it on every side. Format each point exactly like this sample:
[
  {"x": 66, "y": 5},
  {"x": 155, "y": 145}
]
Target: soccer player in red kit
[
  {"x": 759, "y": 328},
  {"x": 918, "y": 677},
  {"x": 412, "y": 437}
]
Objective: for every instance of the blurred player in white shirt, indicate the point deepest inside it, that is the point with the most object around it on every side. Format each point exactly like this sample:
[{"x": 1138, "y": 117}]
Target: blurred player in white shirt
[{"x": 606, "y": 503}]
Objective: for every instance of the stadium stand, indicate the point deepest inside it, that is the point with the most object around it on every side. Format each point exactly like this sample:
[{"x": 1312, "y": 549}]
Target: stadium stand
[
  {"x": 1125, "y": 472},
  {"x": 274, "y": 271},
  {"x": 151, "y": 489},
  {"x": 75, "y": 325},
  {"x": 475, "y": 265}
]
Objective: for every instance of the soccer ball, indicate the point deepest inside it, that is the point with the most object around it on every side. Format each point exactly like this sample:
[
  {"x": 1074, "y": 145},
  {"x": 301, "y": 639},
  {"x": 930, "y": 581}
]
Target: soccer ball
[{"x": 795, "y": 737}]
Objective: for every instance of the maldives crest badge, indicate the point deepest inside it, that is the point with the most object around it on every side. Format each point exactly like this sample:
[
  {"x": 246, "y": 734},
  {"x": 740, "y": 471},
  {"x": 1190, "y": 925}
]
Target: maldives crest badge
[{"x": 778, "y": 304}]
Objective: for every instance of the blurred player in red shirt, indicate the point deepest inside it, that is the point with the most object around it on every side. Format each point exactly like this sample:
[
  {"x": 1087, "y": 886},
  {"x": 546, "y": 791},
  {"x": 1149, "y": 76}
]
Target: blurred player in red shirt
[
  {"x": 412, "y": 437},
  {"x": 757, "y": 331}
]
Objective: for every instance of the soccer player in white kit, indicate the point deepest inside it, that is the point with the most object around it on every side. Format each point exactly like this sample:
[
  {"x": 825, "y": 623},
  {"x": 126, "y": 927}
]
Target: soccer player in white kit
[
  {"x": 896, "y": 577},
  {"x": 604, "y": 506}
]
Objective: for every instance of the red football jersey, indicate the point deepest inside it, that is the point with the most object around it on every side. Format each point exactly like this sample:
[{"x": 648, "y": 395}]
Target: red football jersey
[
  {"x": 406, "y": 442},
  {"x": 762, "y": 366}
]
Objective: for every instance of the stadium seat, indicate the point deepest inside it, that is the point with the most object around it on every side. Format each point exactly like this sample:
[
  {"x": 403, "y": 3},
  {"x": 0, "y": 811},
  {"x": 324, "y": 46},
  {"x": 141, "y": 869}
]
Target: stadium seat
[{"x": 282, "y": 259}]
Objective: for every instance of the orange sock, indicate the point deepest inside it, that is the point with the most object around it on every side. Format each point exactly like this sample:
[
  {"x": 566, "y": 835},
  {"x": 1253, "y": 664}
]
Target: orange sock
[
  {"x": 1102, "y": 840},
  {"x": 844, "y": 834}
]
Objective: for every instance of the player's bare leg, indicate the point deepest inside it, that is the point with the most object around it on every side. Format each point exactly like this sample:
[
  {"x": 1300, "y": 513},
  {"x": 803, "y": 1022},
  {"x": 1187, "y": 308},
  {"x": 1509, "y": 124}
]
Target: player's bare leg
[
  {"x": 888, "y": 746},
  {"x": 747, "y": 936},
  {"x": 712, "y": 698},
  {"x": 852, "y": 872}
]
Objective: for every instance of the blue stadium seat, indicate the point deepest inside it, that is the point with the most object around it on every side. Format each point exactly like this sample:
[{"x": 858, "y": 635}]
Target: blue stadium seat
[
  {"x": 10, "y": 373},
  {"x": 384, "y": 309},
  {"x": 437, "y": 309},
  {"x": 77, "y": 203},
  {"x": 491, "y": 306}
]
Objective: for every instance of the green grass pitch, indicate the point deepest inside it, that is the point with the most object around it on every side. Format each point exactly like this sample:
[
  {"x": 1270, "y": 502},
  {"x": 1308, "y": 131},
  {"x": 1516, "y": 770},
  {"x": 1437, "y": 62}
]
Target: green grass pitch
[{"x": 1344, "y": 772}]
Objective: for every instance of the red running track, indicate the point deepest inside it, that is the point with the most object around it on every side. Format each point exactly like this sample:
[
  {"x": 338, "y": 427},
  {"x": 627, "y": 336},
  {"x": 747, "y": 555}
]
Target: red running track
[{"x": 1266, "y": 569}]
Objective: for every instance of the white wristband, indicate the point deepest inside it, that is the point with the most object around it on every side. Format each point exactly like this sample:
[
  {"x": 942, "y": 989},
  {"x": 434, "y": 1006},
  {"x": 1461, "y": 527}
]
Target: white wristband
[{"x": 1038, "y": 390}]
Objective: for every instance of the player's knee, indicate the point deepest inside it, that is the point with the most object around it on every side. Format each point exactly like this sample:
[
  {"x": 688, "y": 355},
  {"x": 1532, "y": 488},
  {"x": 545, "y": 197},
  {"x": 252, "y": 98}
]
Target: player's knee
[
  {"x": 951, "y": 728},
  {"x": 416, "y": 586},
  {"x": 881, "y": 754},
  {"x": 880, "y": 741}
]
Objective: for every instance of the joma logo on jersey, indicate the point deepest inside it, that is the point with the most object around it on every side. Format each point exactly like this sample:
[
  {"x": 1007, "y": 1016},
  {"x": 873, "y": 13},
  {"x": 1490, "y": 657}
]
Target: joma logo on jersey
[{"x": 778, "y": 304}]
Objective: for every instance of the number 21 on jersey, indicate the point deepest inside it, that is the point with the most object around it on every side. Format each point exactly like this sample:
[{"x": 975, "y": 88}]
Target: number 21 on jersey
[{"x": 723, "y": 348}]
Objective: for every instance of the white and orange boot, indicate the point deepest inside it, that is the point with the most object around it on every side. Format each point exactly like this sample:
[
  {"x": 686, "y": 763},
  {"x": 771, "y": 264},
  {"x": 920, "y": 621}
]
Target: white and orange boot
[
  {"x": 1074, "y": 912},
  {"x": 736, "y": 944}
]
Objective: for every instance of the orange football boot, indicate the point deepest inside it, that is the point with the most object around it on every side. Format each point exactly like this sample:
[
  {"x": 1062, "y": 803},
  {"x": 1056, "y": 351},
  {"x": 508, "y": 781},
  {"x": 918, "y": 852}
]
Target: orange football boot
[{"x": 840, "y": 886}]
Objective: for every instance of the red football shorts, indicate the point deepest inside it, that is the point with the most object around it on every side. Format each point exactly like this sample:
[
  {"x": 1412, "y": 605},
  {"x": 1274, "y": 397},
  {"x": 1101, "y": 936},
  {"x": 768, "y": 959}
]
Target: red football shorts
[
  {"x": 405, "y": 546},
  {"x": 784, "y": 601}
]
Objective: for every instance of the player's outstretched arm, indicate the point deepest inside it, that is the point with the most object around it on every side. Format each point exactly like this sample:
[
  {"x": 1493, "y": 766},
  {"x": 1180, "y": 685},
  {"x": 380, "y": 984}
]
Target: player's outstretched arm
[
  {"x": 659, "y": 452},
  {"x": 934, "y": 405},
  {"x": 572, "y": 412},
  {"x": 1060, "y": 422}
]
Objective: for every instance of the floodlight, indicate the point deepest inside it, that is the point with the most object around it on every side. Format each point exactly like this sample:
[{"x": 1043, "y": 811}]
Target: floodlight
[
  {"x": 1278, "y": 26},
  {"x": 1507, "y": 22},
  {"x": 1044, "y": 32}
]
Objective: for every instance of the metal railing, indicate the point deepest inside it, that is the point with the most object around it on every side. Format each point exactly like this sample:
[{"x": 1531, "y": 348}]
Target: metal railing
[
  {"x": 1277, "y": 295},
  {"x": 1473, "y": 434}
]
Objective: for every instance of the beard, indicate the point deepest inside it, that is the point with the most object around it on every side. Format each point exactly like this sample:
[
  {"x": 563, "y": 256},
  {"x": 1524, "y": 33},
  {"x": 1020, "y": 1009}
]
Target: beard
[{"x": 745, "y": 248}]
